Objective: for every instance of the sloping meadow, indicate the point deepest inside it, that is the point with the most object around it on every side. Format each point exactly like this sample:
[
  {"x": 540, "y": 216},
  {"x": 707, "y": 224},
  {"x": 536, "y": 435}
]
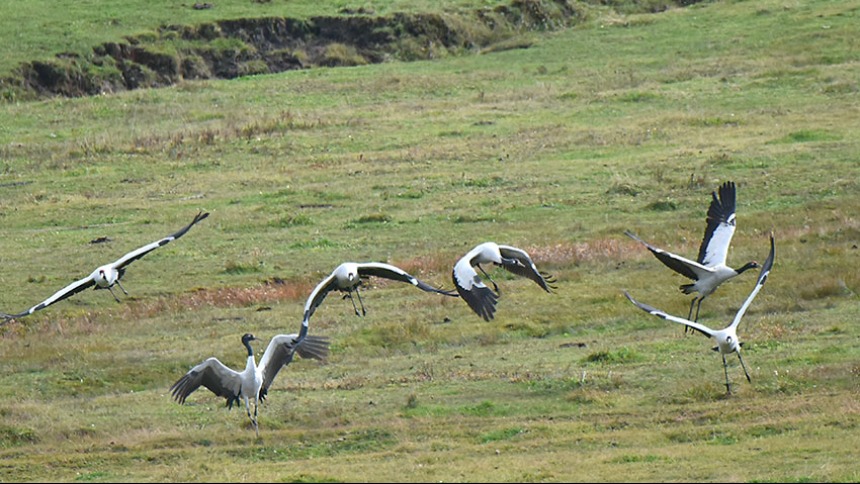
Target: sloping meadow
[{"x": 243, "y": 40}]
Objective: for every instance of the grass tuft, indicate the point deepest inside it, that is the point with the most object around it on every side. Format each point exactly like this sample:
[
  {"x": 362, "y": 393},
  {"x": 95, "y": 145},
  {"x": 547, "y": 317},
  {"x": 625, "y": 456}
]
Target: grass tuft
[{"x": 622, "y": 355}]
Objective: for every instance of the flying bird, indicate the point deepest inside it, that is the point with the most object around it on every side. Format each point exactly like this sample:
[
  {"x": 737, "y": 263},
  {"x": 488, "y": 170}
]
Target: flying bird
[
  {"x": 254, "y": 381},
  {"x": 472, "y": 289},
  {"x": 347, "y": 278},
  {"x": 108, "y": 275},
  {"x": 727, "y": 338},
  {"x": 709, "y": 270}
]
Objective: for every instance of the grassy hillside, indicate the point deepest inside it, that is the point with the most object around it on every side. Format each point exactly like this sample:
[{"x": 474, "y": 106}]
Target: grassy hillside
[
  {"x": 39, "y": 29},
  {"x": 628, "y": 121}
]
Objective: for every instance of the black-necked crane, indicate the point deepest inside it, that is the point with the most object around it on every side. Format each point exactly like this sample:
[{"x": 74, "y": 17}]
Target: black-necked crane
[
  {"x": 709, "y": 270},
  {"x": 108, "y": 275},
  {"x": 254, "y": 381},
  {"x": 727, "y": 338},
  {"x": 472, "y": 289},
  {"x": 347, "y": 278}
]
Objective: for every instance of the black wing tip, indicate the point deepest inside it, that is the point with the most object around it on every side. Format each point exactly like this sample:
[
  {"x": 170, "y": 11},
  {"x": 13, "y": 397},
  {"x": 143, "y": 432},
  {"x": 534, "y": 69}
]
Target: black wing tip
[
  {"x": 768, "y": 263},
  {"x": 721, "y": 209},
  {"x": 482, "y": 301},
  {"x": 428, "y": 288},
  {"x": 480, "y": 298},
  {"x": 486, "y": 312},
  {"x": 197, "y": 218},
  {"x": 313, "y": 339},
  {"x": 438, "y": 289},
  {"x": 550, "y": 282},
  {"x": 727, "y": 192},
  {"x": 640, "y": 240},
  {"x": 641, "y": 305},
  {"x": 631, "y": 235},
  {"x": 177, "y": 390},
  {"x": 10, "y": 317},
  {"x": 313, "y": 347},
  {"x": 445, "y": 292}
]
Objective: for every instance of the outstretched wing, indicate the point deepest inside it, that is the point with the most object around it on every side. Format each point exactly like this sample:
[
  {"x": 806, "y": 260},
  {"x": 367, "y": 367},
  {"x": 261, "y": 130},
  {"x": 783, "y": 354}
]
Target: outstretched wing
[
  {"x": 315, "y": 299},
  {"x": 89, "y": 281},
  {"x": 472, "y": 289},
  {"x": 762, "y": 278},
  {"x": 212, "y": 374},
  {"x": 280, "y": 353},
  {"x": 137, "y": 254},
  {"x": 656, "y": 312},
  {"x": 388, "y": 271},
  {"x": 686, "y": 267},
  {"x": 720, "y": 228},
  {"x": 524, "y": 266},
  {"x": 63, "y": 293}
]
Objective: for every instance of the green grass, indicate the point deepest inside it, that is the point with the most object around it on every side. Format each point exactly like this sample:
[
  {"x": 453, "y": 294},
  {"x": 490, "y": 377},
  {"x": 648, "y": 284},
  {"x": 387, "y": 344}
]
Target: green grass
[{"x": 626, "y": 121}]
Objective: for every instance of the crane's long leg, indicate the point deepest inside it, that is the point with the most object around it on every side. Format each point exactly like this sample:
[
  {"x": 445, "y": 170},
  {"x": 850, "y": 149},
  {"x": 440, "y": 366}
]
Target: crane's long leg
[
  {"x": 112, "y": 294},
  {"x": 348, "y": 295},
  {"x": 360, "y": 302},
  {"x": 495, "y": 286},
  {"x": 688, "y": 329},
  {"x": 744, "y": 367},
  {"x": 726, "y": 369},
  {"x": 120, "y": 286},
  {"x": 248, "y": 411},
  {"x": 690, "y": 315},
  {"x": 256, "y": 425},
  {"x": 699, "y": 306}
]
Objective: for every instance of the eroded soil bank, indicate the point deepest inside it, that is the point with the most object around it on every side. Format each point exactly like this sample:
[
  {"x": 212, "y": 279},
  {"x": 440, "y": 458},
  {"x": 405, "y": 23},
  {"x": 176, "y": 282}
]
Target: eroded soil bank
[{"x": 232, "y": 48}]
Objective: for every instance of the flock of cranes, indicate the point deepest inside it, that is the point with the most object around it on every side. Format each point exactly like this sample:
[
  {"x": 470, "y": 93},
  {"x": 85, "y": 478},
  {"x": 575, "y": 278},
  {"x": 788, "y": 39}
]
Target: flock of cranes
[
  {"x": 709, "y": 271},
  {"x": 250, "y": 386}
]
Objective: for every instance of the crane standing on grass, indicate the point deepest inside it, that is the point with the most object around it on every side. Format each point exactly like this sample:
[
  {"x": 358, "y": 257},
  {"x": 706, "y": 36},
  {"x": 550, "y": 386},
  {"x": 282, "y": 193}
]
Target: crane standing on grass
[{"x": 254, "y": 381}]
